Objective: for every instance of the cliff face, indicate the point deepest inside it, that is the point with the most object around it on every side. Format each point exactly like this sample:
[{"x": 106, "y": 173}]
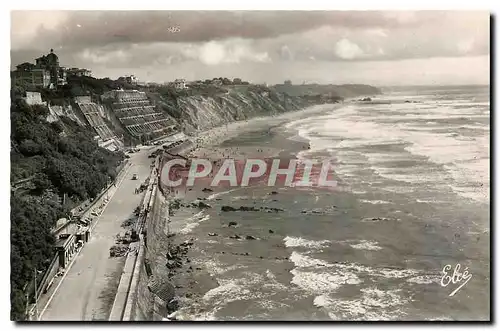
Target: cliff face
[
  {"x": 202, "y": 112},
  {"x": 139, "y": 117}
]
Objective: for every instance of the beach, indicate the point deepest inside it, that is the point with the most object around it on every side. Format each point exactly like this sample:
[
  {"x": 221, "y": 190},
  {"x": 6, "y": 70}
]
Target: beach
[{"x": 373, "y": 248}]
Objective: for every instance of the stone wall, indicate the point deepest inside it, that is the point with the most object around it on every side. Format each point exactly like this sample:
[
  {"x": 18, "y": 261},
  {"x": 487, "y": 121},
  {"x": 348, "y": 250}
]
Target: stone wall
[
  {"x": 34, "y": 98},
  {"x": 151, "y": 263},
  {"x": 83, "y": 99},
  {"x": 93, "y": 114},
  {"x": 138, "y": 115}
]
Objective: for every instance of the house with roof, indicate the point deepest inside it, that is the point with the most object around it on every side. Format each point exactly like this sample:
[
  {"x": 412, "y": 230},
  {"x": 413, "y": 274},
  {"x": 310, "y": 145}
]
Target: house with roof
[{"x": 180, "y": 84}]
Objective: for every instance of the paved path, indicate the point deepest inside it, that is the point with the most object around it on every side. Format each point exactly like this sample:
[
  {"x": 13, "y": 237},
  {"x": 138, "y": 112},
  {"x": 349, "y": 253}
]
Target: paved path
[{"x": 86, "y": 293}]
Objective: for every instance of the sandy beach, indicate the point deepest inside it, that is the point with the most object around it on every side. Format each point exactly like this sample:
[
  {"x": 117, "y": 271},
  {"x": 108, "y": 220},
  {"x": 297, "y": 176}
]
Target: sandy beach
[{"x": 207, "y": 140}]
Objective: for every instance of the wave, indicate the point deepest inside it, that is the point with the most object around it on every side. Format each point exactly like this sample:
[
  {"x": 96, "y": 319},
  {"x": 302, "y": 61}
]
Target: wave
[
  {"x": 354, "y": 128},
  {"x": 375, "y": 202},
  {"x": 314, "y": 281},
  {"x": 372, "y": 304},
  {"x": 301, "y": 242},
  {"x": 197, "y": 219},
  {"x": 218, "y": 194},
  {"x": 366, "y": 245}
]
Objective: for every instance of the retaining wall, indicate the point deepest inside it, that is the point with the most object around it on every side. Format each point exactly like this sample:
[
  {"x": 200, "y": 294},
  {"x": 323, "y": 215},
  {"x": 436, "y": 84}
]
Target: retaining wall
[{"x": 141, "y": 304}]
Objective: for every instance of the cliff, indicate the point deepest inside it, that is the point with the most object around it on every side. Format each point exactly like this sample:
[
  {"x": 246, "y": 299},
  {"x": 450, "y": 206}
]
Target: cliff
[
  {"x": 138, "y": 114},
  {"x": 202, "y": 111}
]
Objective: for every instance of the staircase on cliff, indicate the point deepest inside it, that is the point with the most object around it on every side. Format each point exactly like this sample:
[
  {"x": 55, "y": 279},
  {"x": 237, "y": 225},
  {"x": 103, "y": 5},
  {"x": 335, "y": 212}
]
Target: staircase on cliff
[{"x": 138, "y": 115}]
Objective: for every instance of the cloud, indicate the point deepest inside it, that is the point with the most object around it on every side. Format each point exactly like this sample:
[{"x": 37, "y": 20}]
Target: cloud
[
  {"x": 285, "y": 53},
  {"x": 465, "y": 46},
  {"x": 377, "y": 33},
  {"x": 346, "y": 49},
  {"x": 230, "y": 51},
  {"x": 117, "y": 41},
  {"x": 104, "y": 57},
  {"x": 98, "y": 28},
  {"x": 212, "y": 53}
]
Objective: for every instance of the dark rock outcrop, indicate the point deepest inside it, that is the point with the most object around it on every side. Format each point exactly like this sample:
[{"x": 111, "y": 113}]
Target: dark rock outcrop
[
  {"x": 251, "y": 208},
  {"x": 199, "y": 204}
]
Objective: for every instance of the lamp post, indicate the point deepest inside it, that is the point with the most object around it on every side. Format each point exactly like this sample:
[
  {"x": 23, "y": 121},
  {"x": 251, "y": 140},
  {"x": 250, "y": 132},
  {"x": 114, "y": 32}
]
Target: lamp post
[
  {"x": 36, "y": 295},
  {"x": 27, "y": 306}
]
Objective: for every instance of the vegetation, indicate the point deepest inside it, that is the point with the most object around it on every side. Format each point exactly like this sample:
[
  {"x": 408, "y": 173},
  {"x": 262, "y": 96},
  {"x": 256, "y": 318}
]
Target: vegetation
[{"x": 49, "y": 161}]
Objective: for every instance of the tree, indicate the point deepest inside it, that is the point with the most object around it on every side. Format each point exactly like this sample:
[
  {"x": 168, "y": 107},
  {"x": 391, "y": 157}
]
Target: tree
[{"x": 237, "y": 81}]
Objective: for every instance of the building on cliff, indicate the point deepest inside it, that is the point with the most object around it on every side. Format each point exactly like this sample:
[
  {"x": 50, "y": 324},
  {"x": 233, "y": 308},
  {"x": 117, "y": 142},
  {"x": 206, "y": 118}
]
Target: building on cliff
[
  {"x": 46, "y": 72},
  {"x": 34, "y": 98},
  {"x": 79, "y": 72},
  {"x": 216, "y": 82},
  {"x": 138, "y": 115},
  {"x": 180, "y": 84},
  {"x": 50, "y": 62},
  {"x": 131, "y": 79},
  {"x": 27, "y": 75}
]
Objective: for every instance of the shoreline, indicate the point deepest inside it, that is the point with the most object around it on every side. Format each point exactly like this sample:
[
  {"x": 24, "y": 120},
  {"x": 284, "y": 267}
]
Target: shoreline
[{"x": 221, "y": 133}]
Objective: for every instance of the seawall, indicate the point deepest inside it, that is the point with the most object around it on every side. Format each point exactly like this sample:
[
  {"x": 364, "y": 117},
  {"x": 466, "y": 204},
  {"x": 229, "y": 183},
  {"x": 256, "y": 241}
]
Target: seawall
[{"x": 141, "y": 295}]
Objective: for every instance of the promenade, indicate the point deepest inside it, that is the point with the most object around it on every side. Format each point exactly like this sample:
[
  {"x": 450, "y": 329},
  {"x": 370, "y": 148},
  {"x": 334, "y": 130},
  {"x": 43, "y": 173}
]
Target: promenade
[{"x": 86, "y": 291}]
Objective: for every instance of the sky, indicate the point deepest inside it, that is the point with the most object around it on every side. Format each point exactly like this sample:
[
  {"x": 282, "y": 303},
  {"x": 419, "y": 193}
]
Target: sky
[{"x": 373, "y": 47}]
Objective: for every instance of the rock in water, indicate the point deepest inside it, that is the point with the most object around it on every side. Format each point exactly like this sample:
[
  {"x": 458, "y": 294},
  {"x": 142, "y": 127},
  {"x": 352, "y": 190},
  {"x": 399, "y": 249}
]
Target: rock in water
[
  {"x": 200, "y": 204},
  {"x": 227, "y": 208},
  {"x": 245, "y": 208},
  {"x": 232, "y": 223}
]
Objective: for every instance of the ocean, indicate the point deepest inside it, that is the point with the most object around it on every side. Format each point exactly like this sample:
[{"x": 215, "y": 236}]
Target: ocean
[{"x": 412, "y": 168}]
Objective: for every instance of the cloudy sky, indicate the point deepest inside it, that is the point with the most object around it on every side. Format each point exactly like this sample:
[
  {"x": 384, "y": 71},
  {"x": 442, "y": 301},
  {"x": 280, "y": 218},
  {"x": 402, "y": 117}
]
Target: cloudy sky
[{"x": 382, "y": 48}]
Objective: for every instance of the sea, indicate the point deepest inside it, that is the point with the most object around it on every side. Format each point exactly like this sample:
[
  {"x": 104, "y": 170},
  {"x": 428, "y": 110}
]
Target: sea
[{"x": 413, "y": 199}]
